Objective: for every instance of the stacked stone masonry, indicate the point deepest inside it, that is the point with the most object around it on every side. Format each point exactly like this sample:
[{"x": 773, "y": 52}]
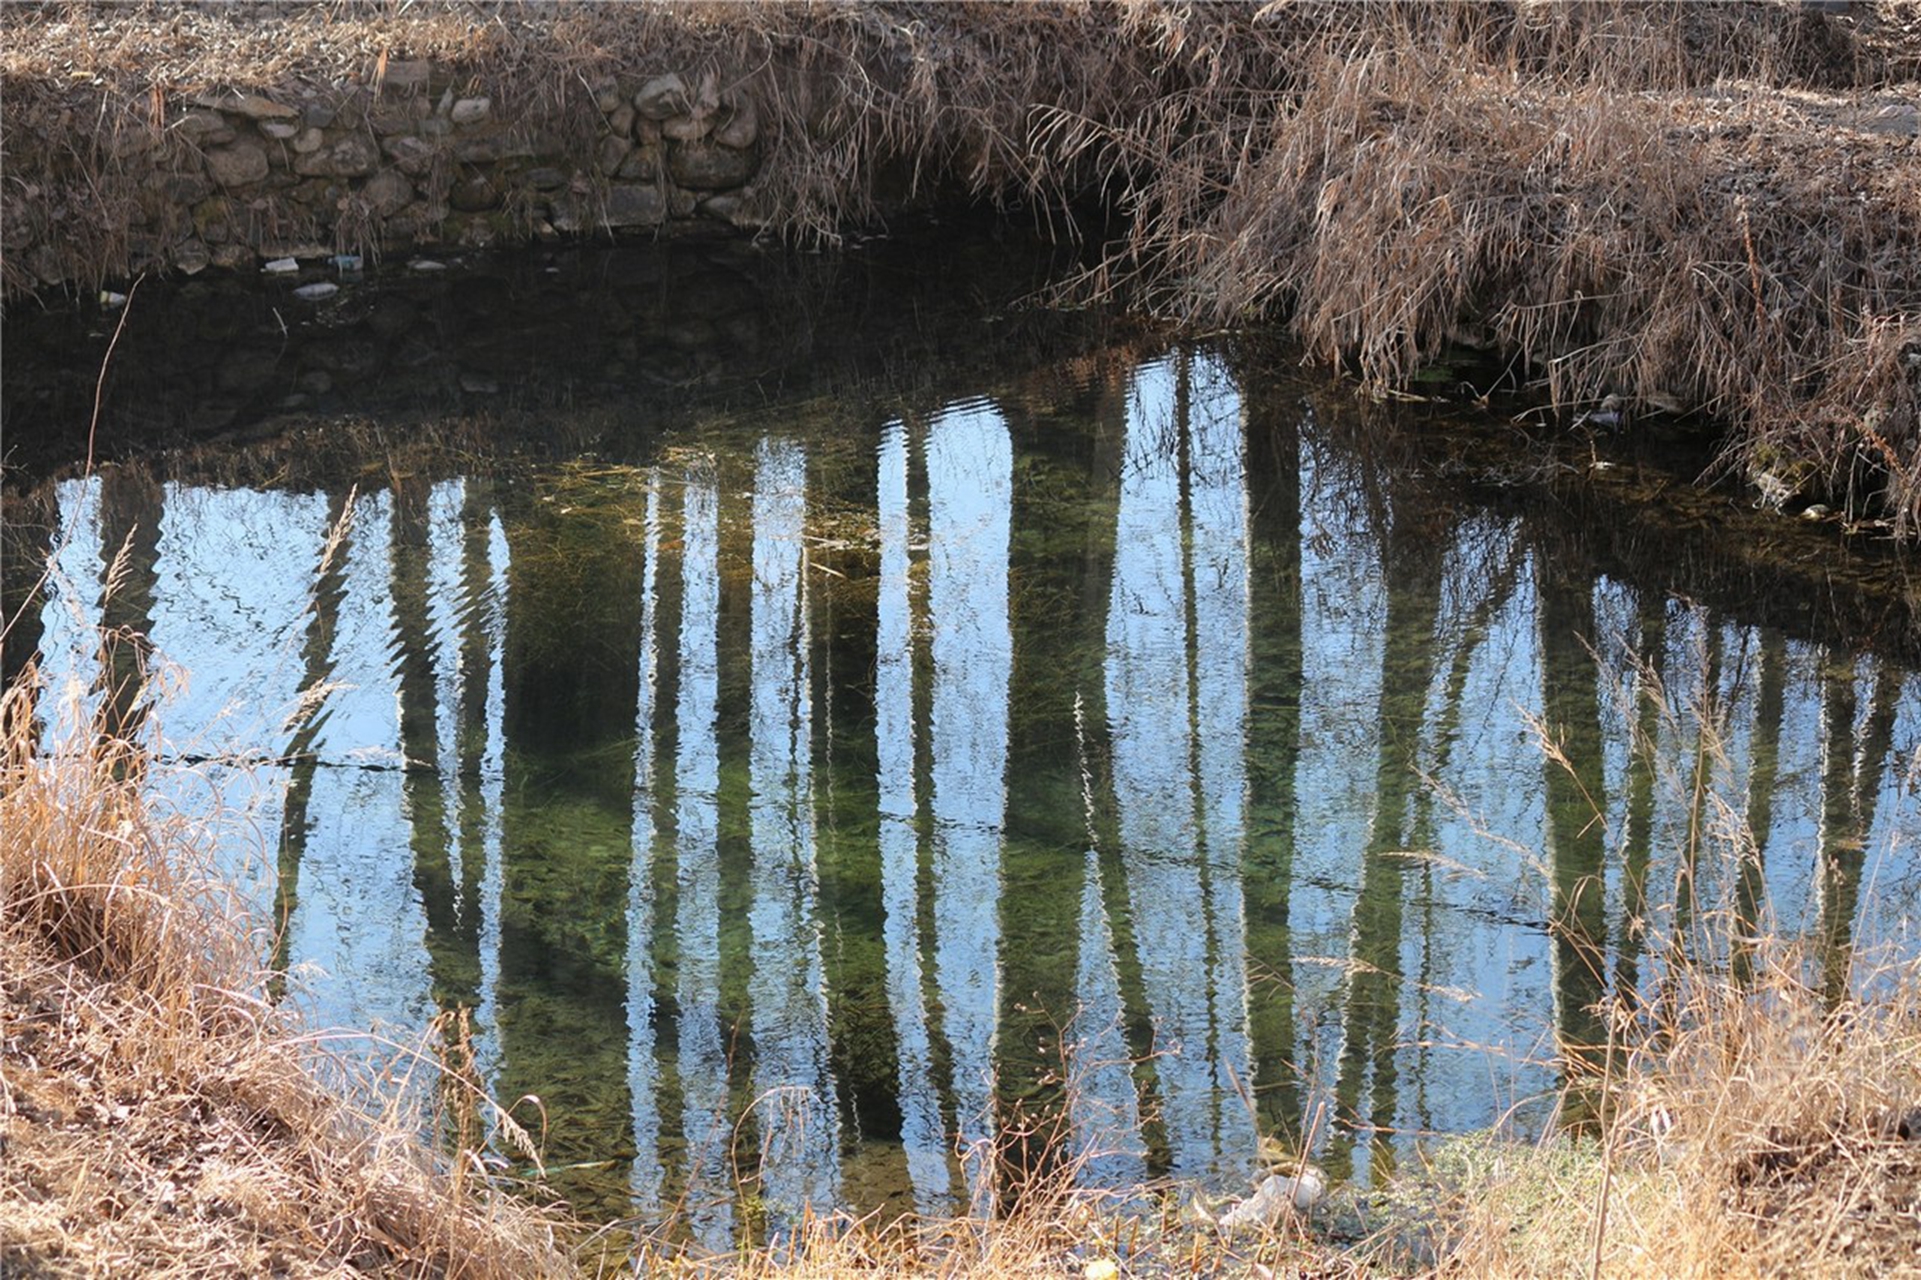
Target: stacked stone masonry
[{"x": 413, "y": 162}]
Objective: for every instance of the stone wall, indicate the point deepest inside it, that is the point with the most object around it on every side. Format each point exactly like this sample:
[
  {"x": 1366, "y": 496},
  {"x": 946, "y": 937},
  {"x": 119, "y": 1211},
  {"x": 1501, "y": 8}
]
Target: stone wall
[{"x": 409, "y": 162}]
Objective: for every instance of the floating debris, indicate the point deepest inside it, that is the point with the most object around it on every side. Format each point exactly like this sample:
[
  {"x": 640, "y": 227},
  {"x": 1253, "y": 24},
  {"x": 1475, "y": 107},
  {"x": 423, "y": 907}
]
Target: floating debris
[
  {"x": 281, "y": 267},
  {"x": 111, "y": 301},
  {"x": 427, "y": 264},
  {"x": 315, "y": 292},
  {"x": 348, "y": 264}
]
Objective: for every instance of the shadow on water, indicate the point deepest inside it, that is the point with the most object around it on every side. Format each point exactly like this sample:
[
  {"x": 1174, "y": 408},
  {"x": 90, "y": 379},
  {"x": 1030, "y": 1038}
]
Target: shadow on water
[{"x": 817, "y": 794}]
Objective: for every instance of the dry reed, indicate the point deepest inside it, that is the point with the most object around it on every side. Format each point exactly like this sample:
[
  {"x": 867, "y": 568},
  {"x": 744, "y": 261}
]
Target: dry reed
[
  {"x": 1701, "y": 207},
  {"x": 1762, "y": 1118},
  {"x": 160, "y": 1115}
]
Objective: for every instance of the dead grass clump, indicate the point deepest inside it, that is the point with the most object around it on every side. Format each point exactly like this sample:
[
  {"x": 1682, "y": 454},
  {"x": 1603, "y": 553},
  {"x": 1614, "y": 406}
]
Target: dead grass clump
[
  {"x": 1757, "y": 1132},
  {"x": 1759, "y": 1096},
  {"x": 159, "y": 1115},
  {"x": 1588, "y": 189},
  {"x": 1799, "y": 1122},
  {"x": 1688, "y": 206}
]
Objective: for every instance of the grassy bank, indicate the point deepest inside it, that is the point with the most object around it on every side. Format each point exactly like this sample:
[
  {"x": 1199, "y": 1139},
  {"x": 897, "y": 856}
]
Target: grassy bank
[
  {"x": 161, "y": 1114},
  {"x": 1687, "y": 207}
]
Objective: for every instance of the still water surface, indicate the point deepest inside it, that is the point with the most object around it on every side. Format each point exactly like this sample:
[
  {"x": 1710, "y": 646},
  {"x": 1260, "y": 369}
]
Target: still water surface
[{"x": 805, "y": 808}]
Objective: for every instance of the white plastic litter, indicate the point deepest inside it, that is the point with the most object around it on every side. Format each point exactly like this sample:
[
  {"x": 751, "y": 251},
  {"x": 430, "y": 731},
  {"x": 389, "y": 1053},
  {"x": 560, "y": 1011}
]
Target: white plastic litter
[{"x": 1299, "y": 1192}]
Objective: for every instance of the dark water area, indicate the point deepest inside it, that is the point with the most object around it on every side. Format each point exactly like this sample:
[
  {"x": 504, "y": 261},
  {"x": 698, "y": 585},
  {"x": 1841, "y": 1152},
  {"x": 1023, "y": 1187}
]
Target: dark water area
[{"x": 813, "y": 781}]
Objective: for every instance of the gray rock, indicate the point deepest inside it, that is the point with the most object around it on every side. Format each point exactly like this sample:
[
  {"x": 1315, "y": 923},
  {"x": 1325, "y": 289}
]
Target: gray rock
[
  {"x": 317, "y": 115},
  {"x": 681, "y": 202},
  {"x": 237, "y": 165},
  {"x": 687, "y": 128},
  {"x": 387, "y": 192},
  {"x": 436, "y": 127},
  {"x": 641, "y": 162},
  {"x": 607, "y": 98},
  {"x": 632, "y": 205},
  {"x": 613, "y": 149},
  {"x": 486, "y": 148},
  {"x": 472, "y": 110},
  {"x": 741, "y": 129},
  {"x": 707, "y": 166},
  {"x": 208, "y": 128},
  {"x": 413, "y": 155},
  {"x": 309, "y": 140},
  {"x": 731, "y": 208},
  {"x": 473, "y": 194},
  {"x": 354, "y": 156},
  {"x": 314, "y": 164},
  {"x": 545, "y": 178},
  {"x": 1901, "y": 120},
  {"x": 232, "y": 257},
  {"x": 621, "y": 120},
  {"x": 280, "y": 130},
  {"x": 255, "y": 107},
  {"x": 661, "y": 97},
  {"x": 192, "y": 257}
]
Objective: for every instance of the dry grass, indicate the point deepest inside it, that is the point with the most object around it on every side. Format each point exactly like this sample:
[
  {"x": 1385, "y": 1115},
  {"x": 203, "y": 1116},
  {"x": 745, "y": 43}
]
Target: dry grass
[
  {"x": 1758, "y": 1133},
  {"x": 1761, "y": 1092},
  {"x": 1704, "y": 207},
  {"x": 159, "y": 1115}
]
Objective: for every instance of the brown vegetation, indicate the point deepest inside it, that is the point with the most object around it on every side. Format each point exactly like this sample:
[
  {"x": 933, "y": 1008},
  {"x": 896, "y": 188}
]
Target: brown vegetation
[
  {"x": 1700, "y": 207},
  {"x": 160, "y": 1115},
  {"x": 1687, "y": 206}
]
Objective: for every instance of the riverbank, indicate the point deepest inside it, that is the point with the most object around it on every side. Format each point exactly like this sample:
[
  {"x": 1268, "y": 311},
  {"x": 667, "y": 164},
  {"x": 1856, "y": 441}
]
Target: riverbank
[
  {"x": 161, "y": 1115},
  {"x": 1644, "y": 209}
]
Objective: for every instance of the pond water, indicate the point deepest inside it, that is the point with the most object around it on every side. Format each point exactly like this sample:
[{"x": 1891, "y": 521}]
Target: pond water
[{"x": 814, "y": 806}]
